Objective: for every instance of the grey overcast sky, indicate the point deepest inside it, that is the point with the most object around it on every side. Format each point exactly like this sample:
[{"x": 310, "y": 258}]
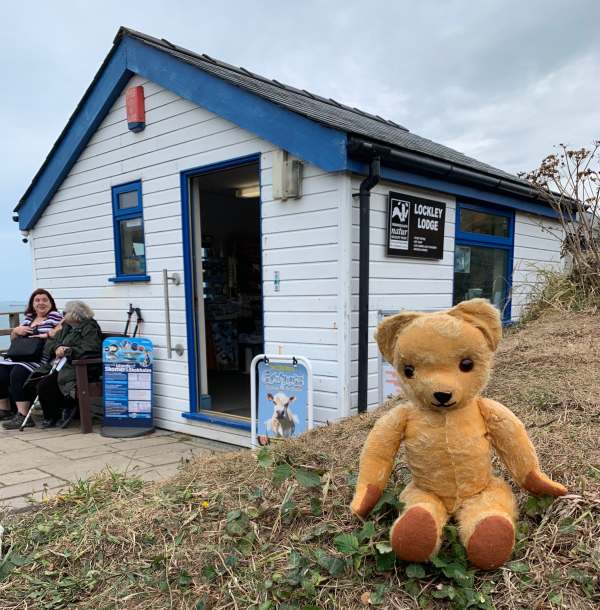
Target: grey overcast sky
[{"x": 502, "y": 80}]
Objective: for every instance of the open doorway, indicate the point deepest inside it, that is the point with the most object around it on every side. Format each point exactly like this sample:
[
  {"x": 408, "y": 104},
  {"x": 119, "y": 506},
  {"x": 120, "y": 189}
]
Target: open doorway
[{"x": 228, "y": 274}]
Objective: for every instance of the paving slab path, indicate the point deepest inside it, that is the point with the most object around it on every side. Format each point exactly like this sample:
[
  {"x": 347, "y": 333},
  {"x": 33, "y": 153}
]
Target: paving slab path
[{"x": 36, "y": 464}]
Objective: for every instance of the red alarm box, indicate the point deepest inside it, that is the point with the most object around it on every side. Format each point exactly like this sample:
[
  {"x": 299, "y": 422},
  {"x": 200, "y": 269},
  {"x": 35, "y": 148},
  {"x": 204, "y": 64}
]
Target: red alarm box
[{"x": 136, "y": 111}]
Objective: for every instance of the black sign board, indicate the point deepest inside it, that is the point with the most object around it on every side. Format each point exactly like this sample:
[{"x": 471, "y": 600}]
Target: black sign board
[{"x": 415, "y": 226}]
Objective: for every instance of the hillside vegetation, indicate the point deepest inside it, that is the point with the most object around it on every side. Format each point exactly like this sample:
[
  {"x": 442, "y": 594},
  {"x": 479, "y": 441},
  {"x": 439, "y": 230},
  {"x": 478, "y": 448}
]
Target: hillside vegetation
[{"x": 272, "y": 530}]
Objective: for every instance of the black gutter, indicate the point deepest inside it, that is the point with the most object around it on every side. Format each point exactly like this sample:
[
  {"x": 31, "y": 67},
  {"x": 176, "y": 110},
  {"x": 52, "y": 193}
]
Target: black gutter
[
  {"x": 363, "y": 280},
  {"x": 367, "y": 150}
]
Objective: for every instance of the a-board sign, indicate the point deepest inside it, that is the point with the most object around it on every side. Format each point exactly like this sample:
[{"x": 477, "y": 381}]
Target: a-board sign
[
  {"x": 127, "y": 386},
  {"x": 415, "y": 226},
  {"x": 281, "y": 392}
]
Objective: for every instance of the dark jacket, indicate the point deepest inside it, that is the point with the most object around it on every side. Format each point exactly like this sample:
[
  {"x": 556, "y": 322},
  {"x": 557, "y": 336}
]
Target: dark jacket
[{"x": 86, "y": 338}]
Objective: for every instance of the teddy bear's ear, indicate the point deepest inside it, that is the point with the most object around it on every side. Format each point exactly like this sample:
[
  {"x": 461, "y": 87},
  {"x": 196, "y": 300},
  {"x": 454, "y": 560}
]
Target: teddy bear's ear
[
  {"x": 388, "y": 330},
  {"x": 484, "y": 316}
]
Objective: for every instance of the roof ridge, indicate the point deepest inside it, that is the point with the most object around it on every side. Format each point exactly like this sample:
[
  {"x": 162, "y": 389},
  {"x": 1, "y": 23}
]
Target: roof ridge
[
  {"x": 463, "y": 159},
  {"x": 239, "y": 69}
]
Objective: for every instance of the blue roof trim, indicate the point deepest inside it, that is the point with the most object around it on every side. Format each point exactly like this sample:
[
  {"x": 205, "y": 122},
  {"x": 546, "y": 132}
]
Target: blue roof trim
[
  {"x": 463, "y": 191},
  {"x": 302, "y": 137},
  {"x": 93, "y": 108}
]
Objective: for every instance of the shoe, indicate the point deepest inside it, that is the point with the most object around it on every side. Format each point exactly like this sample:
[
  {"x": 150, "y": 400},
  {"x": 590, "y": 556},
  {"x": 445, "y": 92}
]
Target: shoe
[
  {"x": 6, "y": 414},
  {"x": 17, "y": 421},
  {"x": 49, "y": 423},
  {"x": 66, "y": 418}
]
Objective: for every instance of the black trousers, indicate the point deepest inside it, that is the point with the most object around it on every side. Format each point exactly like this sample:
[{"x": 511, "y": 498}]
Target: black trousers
[
  {"x": 52, "y": 399},
  {"x": 12, "y": 379}
]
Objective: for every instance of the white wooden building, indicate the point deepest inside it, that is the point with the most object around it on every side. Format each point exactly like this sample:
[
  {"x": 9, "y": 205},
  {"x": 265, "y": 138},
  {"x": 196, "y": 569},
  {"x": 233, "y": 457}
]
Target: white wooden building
[{"x": 197, "y": 190}]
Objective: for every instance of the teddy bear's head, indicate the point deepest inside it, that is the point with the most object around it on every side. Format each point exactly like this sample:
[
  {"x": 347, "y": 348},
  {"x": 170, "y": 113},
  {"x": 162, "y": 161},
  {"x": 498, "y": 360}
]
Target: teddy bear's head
[{"x": 443, "y": 359}]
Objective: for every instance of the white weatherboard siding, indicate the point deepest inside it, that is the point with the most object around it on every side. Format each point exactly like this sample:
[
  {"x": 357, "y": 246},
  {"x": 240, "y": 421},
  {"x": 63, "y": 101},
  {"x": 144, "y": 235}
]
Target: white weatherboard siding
[
  {"x": 73, "y": 250},
  {"x": 396, "y": 283},
  {"x": 300, "y": 241},
  {"x": 537, "y": 247}
]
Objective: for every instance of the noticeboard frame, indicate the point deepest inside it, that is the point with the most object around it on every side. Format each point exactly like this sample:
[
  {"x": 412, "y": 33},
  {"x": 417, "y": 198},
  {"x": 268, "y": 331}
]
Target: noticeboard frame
[{"x": 381, "y": 314}]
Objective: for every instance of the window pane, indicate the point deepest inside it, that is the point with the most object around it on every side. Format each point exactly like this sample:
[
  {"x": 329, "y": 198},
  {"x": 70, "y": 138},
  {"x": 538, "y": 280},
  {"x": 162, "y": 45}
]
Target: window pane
[
  {"x": 484, "y": 223},
  {"x": 133, "y": 251},
  {"x": 480, "y": 272},
  {"x": 128, "y": 200}
]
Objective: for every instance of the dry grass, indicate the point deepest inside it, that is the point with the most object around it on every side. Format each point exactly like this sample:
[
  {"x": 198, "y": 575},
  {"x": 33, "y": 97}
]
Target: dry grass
[
  {"x": 237, "y": 532},
  {"x": 562, "y": 292}
]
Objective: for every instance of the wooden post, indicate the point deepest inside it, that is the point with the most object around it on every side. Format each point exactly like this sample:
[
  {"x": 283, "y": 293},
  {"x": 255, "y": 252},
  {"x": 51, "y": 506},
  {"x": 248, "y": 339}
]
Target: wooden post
[
  {"x": 83, "y": 395},
  {"x": 13, "y": 319}
]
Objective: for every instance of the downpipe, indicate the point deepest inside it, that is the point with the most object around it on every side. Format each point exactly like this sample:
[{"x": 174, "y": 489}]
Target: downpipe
[{"x": 364, "y": 194}]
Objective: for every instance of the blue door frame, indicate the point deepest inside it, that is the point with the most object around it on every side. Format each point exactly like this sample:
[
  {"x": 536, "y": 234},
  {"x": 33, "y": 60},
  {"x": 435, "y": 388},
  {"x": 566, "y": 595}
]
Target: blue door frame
[
  {"x": 463, "y": 238},
  {"x": 188, "y": 274}
]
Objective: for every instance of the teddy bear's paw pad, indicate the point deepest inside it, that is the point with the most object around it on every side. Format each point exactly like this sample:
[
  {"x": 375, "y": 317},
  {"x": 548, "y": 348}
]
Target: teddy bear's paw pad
[
  {"x": 491, "y": 544},
  {"x": 414, "y": 535}
]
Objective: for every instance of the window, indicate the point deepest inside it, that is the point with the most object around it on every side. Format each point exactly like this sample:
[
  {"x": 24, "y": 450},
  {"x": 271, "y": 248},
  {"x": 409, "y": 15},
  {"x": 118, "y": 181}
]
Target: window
[
  {"x": 484, "y": 223},
  {"x": 483, "y": 255},
  {"x": 128, "y": 223}
]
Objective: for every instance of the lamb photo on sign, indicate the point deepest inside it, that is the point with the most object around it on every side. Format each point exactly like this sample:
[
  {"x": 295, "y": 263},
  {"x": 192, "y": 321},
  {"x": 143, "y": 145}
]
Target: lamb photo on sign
[{"x": 283, "y": 421}]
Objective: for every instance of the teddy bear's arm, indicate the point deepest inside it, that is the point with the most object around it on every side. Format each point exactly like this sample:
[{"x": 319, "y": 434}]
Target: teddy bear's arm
[
  {"x": 512, "y": 443},
  {"x": 377, "y": 459}
]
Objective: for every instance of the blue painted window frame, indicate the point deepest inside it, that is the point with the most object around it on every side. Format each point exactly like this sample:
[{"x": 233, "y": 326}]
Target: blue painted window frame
[
  {"x": 465, "y": 238},
  {"x": 196, "y": 399},
  {"x": 127, "y": 214}
]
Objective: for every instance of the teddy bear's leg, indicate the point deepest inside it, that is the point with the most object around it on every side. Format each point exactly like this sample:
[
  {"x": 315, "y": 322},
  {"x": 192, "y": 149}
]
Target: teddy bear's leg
[
  {"x": 487, "y": 525},
  {"x": 417, "y": 533}
]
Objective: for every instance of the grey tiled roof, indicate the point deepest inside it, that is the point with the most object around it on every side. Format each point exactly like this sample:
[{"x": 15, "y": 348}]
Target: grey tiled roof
[{"x": 326, "y": 111}]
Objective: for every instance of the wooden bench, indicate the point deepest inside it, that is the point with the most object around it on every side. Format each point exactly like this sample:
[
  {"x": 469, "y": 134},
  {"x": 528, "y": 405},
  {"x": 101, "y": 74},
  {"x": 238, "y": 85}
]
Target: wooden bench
[{"x": 87, "y": 390}]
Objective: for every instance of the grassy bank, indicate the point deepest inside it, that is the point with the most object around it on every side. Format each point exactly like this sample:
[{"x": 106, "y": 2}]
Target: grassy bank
[{"x": 273, "y": 530}]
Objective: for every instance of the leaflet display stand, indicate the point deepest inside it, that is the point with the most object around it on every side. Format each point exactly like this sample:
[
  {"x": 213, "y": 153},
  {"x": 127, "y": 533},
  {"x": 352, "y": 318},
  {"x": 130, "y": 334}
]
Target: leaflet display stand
[{"x": 127, "y": 387}]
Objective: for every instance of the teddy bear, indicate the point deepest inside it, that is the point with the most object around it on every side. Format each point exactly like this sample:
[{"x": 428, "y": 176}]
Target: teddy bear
[{"x": 443, "y": 360}]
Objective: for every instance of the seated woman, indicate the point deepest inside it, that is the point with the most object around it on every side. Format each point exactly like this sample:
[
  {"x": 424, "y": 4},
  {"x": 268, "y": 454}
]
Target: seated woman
[
  {"x": 40, "y": 322},
  {"x": 79, "y": 335}
]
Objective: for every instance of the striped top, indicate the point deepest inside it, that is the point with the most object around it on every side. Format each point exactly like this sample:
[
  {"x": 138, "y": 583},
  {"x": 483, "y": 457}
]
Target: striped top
[{"x": 52, "y": 320}]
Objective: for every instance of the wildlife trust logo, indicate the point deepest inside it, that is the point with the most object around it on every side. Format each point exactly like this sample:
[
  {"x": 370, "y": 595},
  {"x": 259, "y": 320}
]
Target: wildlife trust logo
[
  {"x": 399, "y": 223},
  {"x": 400, "y": 210}
]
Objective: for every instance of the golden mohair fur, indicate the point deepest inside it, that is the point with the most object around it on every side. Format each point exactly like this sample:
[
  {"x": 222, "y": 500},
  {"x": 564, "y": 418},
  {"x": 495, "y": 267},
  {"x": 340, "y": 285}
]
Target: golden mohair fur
[{"x": 449, "y": 437}]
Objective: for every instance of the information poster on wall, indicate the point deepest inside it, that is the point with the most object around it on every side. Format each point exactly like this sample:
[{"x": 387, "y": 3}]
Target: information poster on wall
[
  {"x": 415, "y": 226},
  {"x": 127, "y": 386},
  {"x": 282, "y": 393},
  {"x": 389, "y": 381}
]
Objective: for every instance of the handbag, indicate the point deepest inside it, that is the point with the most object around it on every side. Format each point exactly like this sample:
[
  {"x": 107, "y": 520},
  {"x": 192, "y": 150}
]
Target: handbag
[{"x": 26, "y": 349}]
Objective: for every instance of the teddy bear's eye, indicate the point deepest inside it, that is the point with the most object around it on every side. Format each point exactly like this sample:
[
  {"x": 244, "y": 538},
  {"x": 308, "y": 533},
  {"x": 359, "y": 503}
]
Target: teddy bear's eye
[
  {"x": 466, "y": 365},
  {"x": 409, "y": 370}
]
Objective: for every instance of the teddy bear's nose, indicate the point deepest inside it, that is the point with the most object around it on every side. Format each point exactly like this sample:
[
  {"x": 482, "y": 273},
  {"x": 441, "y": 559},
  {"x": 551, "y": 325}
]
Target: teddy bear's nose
[{"x": 442, "y": 397}]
